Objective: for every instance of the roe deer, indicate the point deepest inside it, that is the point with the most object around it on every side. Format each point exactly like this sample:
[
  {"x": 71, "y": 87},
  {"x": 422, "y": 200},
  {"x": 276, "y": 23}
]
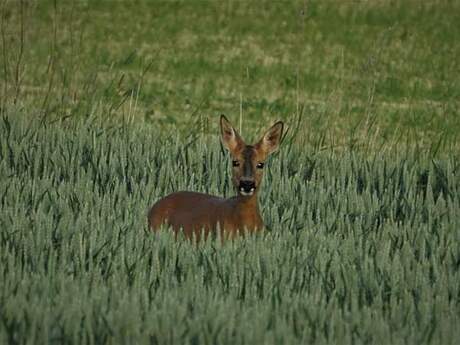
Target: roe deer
[{"x": 197, "y": 213}]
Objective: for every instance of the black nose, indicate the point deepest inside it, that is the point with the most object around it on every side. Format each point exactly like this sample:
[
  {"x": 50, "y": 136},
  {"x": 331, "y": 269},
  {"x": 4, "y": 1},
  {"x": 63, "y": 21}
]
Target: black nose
[{"x": 247, "y": 186}]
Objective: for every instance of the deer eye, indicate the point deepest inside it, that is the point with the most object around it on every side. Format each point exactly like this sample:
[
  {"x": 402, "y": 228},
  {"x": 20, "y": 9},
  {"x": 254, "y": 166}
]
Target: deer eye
[
  {"x": 235, "y": 163},
  {"x": 260, "y": 165}
]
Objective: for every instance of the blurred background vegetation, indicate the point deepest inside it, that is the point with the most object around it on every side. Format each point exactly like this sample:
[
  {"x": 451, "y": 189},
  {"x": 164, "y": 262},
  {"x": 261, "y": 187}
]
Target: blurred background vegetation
[{"x": 351, "y": 71}]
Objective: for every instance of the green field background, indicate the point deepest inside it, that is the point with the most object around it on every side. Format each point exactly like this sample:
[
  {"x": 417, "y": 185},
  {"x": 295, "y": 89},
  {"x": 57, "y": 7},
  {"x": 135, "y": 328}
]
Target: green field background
[{"x": 108, "y": 106}]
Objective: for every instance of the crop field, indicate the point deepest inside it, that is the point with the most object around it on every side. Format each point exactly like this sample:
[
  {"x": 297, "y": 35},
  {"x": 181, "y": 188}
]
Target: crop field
[{"x": 106, "y": 107}]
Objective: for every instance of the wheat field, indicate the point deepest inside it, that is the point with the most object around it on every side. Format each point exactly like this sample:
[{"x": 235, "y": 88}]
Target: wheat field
[{"x": 107, "y": 107}]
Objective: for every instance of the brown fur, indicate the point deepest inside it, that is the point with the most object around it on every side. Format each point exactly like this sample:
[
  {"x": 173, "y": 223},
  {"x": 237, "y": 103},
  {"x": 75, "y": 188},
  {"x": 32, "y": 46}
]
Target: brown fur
[{"x": 197, "y": 213}]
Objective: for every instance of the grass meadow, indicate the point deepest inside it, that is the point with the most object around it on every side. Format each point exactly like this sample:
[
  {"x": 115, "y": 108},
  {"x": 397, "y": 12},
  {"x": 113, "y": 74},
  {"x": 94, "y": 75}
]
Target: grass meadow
[{"x": 107, "y": 106}]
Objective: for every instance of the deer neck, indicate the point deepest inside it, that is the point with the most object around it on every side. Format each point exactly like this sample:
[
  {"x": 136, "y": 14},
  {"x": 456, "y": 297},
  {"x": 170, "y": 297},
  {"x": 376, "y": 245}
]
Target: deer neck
[{"x": 247, "y": 204}]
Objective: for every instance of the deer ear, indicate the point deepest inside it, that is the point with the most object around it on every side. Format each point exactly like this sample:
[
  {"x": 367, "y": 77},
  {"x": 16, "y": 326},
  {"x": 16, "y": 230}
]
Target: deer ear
[
  {"x": 230, "y": 137},
  {"x": 272, "y": 138}
]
